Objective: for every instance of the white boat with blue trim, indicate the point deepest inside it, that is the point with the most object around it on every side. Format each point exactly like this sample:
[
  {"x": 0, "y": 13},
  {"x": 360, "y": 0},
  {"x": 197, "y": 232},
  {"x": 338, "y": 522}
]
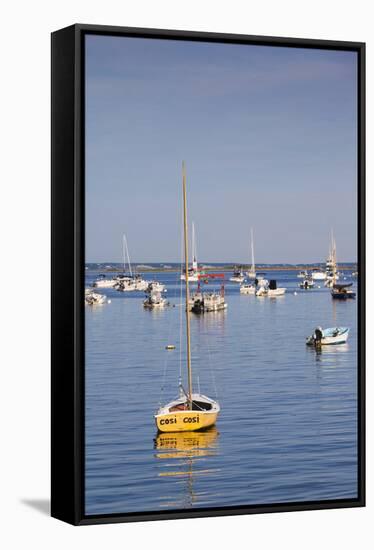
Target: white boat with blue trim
[{"x": 328, "y": 336}]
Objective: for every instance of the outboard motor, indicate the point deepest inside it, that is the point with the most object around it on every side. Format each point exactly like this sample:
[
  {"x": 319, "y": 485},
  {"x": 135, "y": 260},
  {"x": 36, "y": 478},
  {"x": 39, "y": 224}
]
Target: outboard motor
[
  {"x": 198, "y": 306},
  {"x": 273, "y": 284},
  {"x": 318, "y": 335}
]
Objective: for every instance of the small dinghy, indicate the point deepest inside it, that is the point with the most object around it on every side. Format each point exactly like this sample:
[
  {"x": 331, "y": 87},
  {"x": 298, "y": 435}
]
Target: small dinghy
[{"x": 328, "y": 336}]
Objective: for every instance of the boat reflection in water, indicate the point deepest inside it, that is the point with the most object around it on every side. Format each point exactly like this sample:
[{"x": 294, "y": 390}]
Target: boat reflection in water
[
  {"x": 185, "y": 458},
  {"x": 215, "y": 320},
  {"x": 330, "y": 356}
]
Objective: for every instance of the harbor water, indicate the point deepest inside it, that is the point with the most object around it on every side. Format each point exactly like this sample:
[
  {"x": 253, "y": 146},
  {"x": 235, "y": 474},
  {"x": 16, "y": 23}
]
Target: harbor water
[{"x": 287, "y": 431}]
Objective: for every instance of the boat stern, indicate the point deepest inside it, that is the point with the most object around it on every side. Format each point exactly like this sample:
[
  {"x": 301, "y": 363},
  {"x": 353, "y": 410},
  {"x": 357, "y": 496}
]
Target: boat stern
[{"x": 185, "y": 421}]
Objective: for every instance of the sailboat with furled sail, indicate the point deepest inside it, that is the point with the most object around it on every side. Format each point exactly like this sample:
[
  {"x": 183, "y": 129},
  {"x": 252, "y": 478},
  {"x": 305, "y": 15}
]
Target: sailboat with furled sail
[
  {"x": 194, "y": 272},
  {"x": 191, "y": 411},
  {"x": 252, "y": 271}
]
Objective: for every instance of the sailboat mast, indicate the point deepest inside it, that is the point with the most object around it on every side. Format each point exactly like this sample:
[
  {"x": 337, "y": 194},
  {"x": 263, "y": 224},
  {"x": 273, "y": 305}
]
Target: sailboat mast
[
  {"x": 252, "y": 251},
  {"x": 126, "y": 255},
  {"x": 187, "y": 290}
]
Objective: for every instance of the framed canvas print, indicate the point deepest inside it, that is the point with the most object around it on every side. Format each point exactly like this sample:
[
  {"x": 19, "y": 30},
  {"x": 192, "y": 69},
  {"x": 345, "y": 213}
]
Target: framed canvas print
[{"x": 208, "y": 274}]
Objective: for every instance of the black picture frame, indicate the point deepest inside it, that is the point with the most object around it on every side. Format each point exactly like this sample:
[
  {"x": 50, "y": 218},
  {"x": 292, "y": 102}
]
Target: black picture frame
[{"x": 68, "y": 237}]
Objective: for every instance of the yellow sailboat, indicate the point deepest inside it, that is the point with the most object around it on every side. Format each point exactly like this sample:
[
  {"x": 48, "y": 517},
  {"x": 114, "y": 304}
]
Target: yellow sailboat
[{"x": 190, "y": 411}]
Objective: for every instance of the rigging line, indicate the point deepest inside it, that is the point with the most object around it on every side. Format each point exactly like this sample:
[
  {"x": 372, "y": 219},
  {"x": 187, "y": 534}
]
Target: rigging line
[
  {"x": 163, "y": 383},
  {"x": 166, "y": 362},
  {"x": 127, "y": 253}
]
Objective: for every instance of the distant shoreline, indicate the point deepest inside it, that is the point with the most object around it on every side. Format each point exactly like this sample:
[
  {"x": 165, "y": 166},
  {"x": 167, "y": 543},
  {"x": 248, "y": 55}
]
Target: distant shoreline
[{"x": 224, "y": 268}]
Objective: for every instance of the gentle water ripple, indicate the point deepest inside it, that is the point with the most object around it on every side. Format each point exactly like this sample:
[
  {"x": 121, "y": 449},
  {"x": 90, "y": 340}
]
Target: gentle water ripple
[{"x": 288, "y": 425}]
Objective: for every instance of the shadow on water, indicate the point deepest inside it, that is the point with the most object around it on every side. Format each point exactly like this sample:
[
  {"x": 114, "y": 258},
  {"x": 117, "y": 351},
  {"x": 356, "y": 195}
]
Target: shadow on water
[{"x": 40, "y": 505}]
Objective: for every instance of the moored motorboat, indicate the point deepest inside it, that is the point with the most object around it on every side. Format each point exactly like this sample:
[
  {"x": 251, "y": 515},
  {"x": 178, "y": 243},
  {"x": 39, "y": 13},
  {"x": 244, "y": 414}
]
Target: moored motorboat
[
  {"x": 155, "y": 301},
  {"x": 269, "y": 288},
  {"x": 202, "y": 302},
  {"x": 342, "y": 291},
  {"x": 303, "y": 274},
  {"x": 131, "y": 283},
  {"x": 92, "y": 298},
  {"x": 328, "y": 336},
  {"x": 214, "y": 301},
  {"x": 238, "y": 275},
  {"x": 104, "y": 282},
  {"x": 318, "y": 275},
  {"x": 274, "y": 290},
  {"x": 307, "y": 283},
  {"x": 248, "y": 288}
]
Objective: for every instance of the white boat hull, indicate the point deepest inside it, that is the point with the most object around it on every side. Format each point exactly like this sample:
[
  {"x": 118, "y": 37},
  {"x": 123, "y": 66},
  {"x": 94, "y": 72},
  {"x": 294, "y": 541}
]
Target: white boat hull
[
  {"x": 236, "y": 279},
  {"x": 176, "y": 417},
  {"x": 192, "y": 278},
  {"x": 276, "y": 292},
  {"x": 318, "y": 276},
  {"x": 94, "y": 298},
  {"x": 158, "y": 305},
  {"x": 329, "y": 338},
  {"x": 215, "y": 307},
  {"x": 105, "y": 283},
  {"x": 262, "y": 291},
  {"x": 248, "y": 289}
]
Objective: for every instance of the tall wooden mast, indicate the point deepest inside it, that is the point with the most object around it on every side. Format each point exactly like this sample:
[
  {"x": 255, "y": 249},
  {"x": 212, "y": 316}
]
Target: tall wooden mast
[{"x": 187, "y": 290}]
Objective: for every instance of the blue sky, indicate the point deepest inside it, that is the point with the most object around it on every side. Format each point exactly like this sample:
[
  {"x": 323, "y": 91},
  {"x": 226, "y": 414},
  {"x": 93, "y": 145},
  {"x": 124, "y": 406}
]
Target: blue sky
[{"x": 268, "y": 136}]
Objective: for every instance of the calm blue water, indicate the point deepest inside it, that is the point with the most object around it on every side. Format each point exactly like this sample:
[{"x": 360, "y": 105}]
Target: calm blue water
[{"x": 287, "y": 429}]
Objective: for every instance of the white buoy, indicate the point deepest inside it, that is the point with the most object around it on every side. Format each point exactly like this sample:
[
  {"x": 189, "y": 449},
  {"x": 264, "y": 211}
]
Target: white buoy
[
  {"x": 109, "y": 301},
  {"x": 295, "y": 293}
]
